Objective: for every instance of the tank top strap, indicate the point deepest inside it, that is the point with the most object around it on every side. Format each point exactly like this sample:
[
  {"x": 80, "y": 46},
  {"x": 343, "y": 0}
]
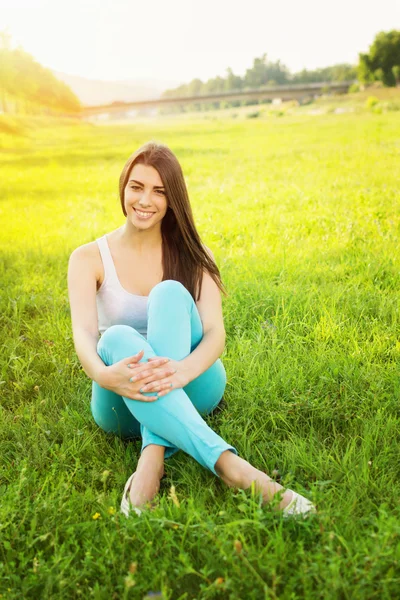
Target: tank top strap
[{"x": 110, "y": 272}]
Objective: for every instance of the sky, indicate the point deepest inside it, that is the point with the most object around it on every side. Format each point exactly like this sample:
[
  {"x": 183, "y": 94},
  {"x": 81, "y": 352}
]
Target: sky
[{"x": 179, "y": 40}]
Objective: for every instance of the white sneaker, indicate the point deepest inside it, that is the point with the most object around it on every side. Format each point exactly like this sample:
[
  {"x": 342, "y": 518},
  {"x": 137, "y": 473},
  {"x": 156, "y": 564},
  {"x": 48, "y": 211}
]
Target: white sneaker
[
  {"x": 126, "y": 504},
  {"x": 299, "y": 505}
]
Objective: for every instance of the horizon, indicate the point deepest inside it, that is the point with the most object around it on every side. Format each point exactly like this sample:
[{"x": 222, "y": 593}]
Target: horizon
[{"x": 105, "y": 43}]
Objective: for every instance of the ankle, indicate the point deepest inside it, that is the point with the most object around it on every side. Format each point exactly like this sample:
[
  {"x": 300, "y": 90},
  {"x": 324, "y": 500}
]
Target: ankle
[
  {"x": 235, "y": 471},
  {"x": 151, "y": 461},
  {"x": 150, "y": 468}
]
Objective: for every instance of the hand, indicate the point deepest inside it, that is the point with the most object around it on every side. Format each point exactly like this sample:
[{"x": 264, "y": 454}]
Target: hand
[
  {"x": 117, "y": 377},
  {"x": 163, "y": 386}
]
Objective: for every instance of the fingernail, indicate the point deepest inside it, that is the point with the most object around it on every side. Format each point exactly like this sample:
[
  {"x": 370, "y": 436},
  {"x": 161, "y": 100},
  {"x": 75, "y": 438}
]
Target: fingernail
[{"x": 132, "y": 379}]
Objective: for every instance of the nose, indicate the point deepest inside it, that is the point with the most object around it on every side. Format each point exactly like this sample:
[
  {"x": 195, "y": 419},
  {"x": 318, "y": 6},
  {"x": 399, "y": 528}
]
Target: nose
[{"x": 145, "y": 199}]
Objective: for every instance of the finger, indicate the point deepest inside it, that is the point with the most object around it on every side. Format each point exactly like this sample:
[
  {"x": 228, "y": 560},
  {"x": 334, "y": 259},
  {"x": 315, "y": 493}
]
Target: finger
[
  {"x": 145, "y": 398},
  {"x": 157, "y": 386},
  {"x": 145, "y": 377},
  {"x": 148, "y": 373},
  {"x": 141, "y": 375},
  {"x": 157, "y": 362},
  {"x": 165, "y": 392},
  {"x": 135, "y": 358},
  {"x": 153, "y": 358},
  {"x": 164, "y": 387},
  {"x": 149, "y": 383}
]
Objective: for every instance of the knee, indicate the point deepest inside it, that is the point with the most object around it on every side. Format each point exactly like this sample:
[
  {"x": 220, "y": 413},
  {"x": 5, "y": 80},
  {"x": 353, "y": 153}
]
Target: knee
[
  {"x": 112, "y": 335},
  {"x": 170, "y": 290}
]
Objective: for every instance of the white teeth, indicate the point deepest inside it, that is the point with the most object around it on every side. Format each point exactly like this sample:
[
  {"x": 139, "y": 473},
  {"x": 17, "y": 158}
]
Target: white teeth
[{"x": 143, "y": 214}]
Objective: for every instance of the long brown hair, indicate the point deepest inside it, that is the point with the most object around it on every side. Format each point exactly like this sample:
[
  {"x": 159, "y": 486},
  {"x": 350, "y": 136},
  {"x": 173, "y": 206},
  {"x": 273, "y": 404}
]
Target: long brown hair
[{"x": 184, "y": 257}]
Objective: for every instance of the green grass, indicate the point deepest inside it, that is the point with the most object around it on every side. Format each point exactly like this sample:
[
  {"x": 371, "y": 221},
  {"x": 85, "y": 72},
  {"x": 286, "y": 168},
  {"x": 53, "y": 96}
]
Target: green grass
[{"x": 302, "y": 214}]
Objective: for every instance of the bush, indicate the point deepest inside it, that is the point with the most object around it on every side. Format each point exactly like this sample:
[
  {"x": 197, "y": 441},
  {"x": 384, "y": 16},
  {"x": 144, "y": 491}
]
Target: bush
[
  {"x": 276, "y": 113},
  {"x": 291, "y": 104},
  {"x": 393, "y": 105},
  {"x": 253, "y": 115},
  {"x": 371, "y": 101},
  {"x": 354, "y": 88},
  {"x": 377, "y": 85},
  {"x": 11, "y": 126}
]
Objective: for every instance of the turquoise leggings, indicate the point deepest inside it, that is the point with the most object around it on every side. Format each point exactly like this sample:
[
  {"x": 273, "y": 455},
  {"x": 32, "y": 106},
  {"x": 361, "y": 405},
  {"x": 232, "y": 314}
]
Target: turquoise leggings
[{"x": 174, "y": 329}]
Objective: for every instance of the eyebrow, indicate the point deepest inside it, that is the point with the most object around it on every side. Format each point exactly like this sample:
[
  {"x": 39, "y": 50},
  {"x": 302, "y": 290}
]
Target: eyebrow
[{"x": 155, "y": 187}]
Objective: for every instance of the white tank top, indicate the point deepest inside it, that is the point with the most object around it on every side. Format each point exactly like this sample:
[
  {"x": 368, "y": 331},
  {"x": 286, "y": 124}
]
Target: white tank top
[{"x": 115, "y": 305}]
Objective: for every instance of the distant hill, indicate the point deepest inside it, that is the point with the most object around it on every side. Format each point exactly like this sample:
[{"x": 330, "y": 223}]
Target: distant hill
[{"x": 92, "y": 92}]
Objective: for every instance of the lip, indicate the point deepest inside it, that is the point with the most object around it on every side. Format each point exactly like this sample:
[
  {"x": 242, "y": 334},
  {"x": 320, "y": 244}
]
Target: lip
[{"x": 144, "y": 211}]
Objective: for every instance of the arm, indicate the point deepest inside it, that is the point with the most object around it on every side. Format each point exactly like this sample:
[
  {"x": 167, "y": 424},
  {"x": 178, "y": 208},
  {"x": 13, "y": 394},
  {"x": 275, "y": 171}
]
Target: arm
[
  {"x": 82, "y": 298},
  {"x": 212, "y": 345},
  {"x": 82, "y": 285}
]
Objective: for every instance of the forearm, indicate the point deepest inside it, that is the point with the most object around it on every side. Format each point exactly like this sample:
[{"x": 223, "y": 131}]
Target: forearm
[
  {"x": 86, "y": 349},
  {"x": 205, "y": 355}
]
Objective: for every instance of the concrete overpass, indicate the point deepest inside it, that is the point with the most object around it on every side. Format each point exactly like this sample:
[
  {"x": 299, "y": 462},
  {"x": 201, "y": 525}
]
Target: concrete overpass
[{"x": 298, "y": 92}]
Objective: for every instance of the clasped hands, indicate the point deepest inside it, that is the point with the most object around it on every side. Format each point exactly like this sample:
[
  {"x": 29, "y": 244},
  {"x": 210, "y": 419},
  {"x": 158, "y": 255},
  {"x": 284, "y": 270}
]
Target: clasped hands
[{"x": 131, "y": 379}]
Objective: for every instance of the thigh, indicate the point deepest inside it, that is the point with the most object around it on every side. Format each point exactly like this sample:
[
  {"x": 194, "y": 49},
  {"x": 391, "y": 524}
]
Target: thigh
[
  {"x": 175, "y": 329},
  {"x": 111, "y": 413}
]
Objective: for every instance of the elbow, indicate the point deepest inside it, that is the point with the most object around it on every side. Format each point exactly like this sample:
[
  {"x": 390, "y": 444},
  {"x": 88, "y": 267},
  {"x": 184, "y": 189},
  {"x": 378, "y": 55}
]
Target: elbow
[
  {"x": 221, "y": 338},
  {"x": 83, "y": 338},
  {"x": 218, "y": 335}
]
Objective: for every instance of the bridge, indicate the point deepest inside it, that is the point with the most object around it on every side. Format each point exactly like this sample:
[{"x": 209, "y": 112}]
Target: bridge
[{"x": 299, "y": 92}]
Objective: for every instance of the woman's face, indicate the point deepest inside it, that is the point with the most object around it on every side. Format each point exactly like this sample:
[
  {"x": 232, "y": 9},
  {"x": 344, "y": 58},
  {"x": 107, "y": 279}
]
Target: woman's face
[{"x": 145, "y": 197}]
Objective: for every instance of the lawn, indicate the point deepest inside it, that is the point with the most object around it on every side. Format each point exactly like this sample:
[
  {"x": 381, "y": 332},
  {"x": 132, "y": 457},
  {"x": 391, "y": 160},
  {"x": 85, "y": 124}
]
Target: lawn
[{"x": 302, "y": 214}]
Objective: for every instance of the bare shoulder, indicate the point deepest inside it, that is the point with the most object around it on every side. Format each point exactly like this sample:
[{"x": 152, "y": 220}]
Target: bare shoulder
[
  {"x": 87, "y": 257},
  {"x": 209, "y": 252},
  {"x": 86, "y": 251}
]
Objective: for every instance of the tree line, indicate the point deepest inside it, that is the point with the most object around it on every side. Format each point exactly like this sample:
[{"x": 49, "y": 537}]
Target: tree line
[
  {"x": 29, "y": 88},
  {"x": 262, "y": 73},
  {"x": 381, "y": 63}
]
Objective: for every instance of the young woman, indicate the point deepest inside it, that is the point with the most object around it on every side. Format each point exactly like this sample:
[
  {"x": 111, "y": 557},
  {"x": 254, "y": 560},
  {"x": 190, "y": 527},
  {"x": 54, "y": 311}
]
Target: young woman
[{"x": 153, "y": 291}]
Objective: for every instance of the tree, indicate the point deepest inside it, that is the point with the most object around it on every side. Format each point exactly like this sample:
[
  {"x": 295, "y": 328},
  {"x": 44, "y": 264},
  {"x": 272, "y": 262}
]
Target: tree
[
  {"x": 365, "y": 73},
  {"x": 232, "y": 81},
  {"x": 25, "y": 84},
  {"x": 264, "y": 71},
  {"x": 195, "y": 87},
  {"x": 339, "y": 72},
  {"x": 256, "y": 76},
  {"x": 382, "y": 62}
]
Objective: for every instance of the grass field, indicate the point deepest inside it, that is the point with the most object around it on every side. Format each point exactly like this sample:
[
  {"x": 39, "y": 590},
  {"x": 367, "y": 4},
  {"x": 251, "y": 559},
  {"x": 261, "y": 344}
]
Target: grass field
[{"x": 302, "y": 214}]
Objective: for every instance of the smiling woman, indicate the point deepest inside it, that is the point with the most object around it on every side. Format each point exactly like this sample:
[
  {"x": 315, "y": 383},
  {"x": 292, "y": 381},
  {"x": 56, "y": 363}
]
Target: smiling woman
[
  {"x": 143, "y": 199},
  {"x": 156, "y": 368}
]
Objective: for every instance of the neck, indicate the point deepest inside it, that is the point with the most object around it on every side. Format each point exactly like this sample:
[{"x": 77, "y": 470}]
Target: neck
[{"x": 142, "y": 241}]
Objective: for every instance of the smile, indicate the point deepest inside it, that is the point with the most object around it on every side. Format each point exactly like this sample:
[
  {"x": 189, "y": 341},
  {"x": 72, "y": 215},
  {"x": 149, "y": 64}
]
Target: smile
[{"x": 143, "y": 215}]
